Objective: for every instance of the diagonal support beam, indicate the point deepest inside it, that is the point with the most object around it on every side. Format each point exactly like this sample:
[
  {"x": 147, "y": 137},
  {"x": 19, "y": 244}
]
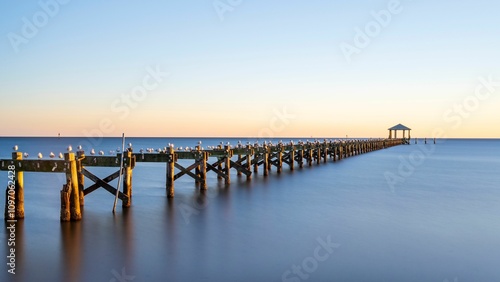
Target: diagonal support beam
[
  {"x": 216, "y": 170},
  {"x": 103, "y": 183},
  {"x": 241, "y": 168},
  {"x": 187, "y": 171}
]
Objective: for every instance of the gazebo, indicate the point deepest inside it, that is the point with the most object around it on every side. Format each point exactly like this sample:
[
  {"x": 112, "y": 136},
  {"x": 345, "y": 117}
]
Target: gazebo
[{"x": 399, "y": 127}]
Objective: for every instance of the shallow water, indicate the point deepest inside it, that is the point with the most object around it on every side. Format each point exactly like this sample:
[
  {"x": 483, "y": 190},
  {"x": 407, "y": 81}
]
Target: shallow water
[{"x": 435, "y": 220}]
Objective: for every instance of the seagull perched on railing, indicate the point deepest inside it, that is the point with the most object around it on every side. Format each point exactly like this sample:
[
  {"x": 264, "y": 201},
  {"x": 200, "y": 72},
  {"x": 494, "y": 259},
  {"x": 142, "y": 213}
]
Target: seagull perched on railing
[
  {"x": 70, "y": 148},
  {"x": 92, "y": 152},
  {"x": 40, "y": 155},
  {"x": 130, "y": 145},
  {"x": 52, "y": 155},
  {"x": 101, "y": 152},
  {"x": 79, "y": 147},
  {"x": 15, "y": 148},
  {"x": 61, "y": 155}
]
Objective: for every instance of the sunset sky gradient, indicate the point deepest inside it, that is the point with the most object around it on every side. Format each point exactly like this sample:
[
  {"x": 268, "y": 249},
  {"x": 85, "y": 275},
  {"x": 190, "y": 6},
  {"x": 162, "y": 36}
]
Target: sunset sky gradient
[{"x": 249, "y": 68}]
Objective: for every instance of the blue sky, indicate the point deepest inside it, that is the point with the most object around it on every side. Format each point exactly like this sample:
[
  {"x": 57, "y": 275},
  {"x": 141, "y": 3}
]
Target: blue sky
[{"x": 234, "y": 72}]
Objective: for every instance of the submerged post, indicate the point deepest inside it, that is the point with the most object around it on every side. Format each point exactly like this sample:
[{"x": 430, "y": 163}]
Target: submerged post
[{"x": 170, "y": 172}]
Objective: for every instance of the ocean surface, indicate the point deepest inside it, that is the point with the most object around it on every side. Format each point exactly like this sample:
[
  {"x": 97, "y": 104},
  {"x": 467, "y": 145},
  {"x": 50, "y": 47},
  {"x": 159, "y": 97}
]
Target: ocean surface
[{"x": 422, "y": 212}]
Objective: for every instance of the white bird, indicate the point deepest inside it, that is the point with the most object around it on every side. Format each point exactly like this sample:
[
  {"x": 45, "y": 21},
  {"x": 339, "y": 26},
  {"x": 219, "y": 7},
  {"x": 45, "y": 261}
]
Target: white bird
[
  {"x": 141, "y": 150},
  {"x": 80, "y": 147},
  {"x": 92, "y": 152},
  {"x": 130, "y": 145},
  {"x": 101, "y": 152},
  {"x": 40, "y": 155},
  {"x": 52, "y": 155},
  {"x": 61, "y": 155},
  {"x": 26, "y": 155},
  {"x": 15, "y": 147},
  {"x": 70, "y": 148},
  {"x": 199, "y": 142}
]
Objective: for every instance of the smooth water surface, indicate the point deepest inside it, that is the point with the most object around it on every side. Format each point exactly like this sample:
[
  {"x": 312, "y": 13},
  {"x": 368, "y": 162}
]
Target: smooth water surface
[{"x": 407, "y": 213}]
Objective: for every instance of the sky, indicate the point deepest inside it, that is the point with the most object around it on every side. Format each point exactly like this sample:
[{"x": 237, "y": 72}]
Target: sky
[{"x": 233, "y": 68}]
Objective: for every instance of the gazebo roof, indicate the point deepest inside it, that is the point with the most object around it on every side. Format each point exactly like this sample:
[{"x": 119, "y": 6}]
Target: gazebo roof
[{"x": 399, "y": 127}]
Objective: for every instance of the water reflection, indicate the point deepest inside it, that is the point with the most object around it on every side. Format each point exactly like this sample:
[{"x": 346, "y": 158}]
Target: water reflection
[{"x": 71, "y": 250}]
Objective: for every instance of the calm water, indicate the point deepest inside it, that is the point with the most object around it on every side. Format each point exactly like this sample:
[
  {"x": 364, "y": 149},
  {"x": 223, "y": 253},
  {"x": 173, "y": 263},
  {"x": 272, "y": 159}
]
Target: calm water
[{"x": 408, "y": 213}]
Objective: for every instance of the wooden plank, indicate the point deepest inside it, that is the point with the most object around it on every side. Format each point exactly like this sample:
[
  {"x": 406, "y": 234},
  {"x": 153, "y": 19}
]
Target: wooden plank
[{"x": 57, "y": 166}]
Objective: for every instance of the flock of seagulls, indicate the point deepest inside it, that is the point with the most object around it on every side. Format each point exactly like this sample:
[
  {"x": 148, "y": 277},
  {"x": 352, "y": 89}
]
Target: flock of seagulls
[{"x": 170, "y": 145}]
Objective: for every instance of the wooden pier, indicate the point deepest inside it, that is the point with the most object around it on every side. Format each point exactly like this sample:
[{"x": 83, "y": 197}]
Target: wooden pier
[{"x": 245, "y": 159}]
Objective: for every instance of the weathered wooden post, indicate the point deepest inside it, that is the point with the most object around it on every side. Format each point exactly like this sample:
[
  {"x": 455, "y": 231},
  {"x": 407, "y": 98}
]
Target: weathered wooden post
[
  {"x": 310, "y": 152},
  {"x": 318, "y": 152},
  {"x": 227, "y": 164},
  {"x": 238, "y": 173},
  {"x": 19, "y": 182},
  {"x": 291, "y": 155},
  {"x": 341, "y": 150},
  {"x": 80, "y": 155},
  {"x": 65, "y": 203},
  {"x": 203, "y": 170},
  {"x": 72, "y": 180},
  {"x": 265, "y": 160},
  {"x": 127, "y": 178},
  {"x": 170, "y": 171},
  {"x": 219, "y": 165},
  {"x": 256, "y": 157},
  {"x": 249, "y": 161},
  {"x": 301, "y": 155},
  {"x": 279, "y": 157},
  {"x": 325, "y": 151}
]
